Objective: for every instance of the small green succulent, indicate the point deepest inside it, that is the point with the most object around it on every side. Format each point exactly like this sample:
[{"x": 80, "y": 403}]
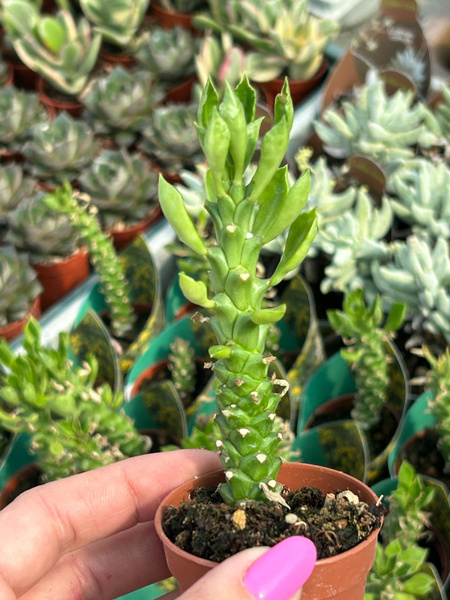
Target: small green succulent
[
  {"x": 171, "y": 137},
  {"x": 19, "y": 111},
  {"x": 60, "y": 149},
  {"x": 40, "y": 231},
  {"x": 121, "y": 103},
  {"x": 361, "y": 328},
  {"x": 182, "y": 368},
  {"x": 167, "y": 53},
  {"x": 14, "y": 187},
  {"x": 19, "y": 286},
  {"x": 122, "y": 186}
]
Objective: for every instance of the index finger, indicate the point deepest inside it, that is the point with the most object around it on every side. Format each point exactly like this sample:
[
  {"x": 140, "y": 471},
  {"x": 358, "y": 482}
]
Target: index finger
[{"x": 43, "y": 524}]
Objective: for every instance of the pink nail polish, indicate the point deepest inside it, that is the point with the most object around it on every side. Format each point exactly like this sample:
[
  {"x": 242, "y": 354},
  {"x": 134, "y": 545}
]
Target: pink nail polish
[{"x": 282, "y": 570}]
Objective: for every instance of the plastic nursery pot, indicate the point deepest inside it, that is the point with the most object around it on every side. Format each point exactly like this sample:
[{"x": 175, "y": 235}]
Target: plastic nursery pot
[
  {"x": 299, "y": 88},
  {"x": 12, "y": 330},
  {"x": 170, "y": 19},
  {"x": 23, "y": 76},
  {"x": 181, "y": 92},
  {"x": 58, "y": 102},
  {"x": 122, "y": 236},
  {"x": 340, "y": 577},
  {"x": 59, "y": 277}
]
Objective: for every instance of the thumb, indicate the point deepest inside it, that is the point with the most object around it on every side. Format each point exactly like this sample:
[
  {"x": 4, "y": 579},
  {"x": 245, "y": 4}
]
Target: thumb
[{"x": 276, "y": 573}]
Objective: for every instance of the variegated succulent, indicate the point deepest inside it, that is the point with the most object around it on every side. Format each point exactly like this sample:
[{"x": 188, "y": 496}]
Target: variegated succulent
[
  {"x": 423, "y": 199},
  {"x": 14, "y": 187},
  {"x": 418, "y": 274},
  {"x": 120, "y": 103},
  {"x": 118, "y": 21},
  {"x": 385, "y": 128},
  {"x": 62, "y": 50},
  {"x": 171, "y": 137},
  {"x": 41, "y": 232},
  {"x": 167, "y": 53},
  {"x": 60, "y": 149},
  {"x": 19, "y": 111},
  {"x": 19, "y": 286},
  {"x": 122, "y": 186}
]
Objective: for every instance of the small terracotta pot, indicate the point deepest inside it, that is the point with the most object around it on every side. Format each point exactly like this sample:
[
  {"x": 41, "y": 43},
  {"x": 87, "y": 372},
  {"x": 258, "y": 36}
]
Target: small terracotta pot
[
  {"x": 10, "y": 156},
  {"x": 299, "y": 88},
  {"x": 181, "y": 92},
  {"x": 58, "y": 278},
  {"x": 116, "y": 59},
  {"x": 12, "y": 330},
  {"x": 70, "y": 105},
  {"x": 341, "y": 577},
  {"x": 23, "y": 76},
  {"x": 122, "y": 237},
  {"x": 170, "y": 19},
  {"x": 19, "y": 481}
]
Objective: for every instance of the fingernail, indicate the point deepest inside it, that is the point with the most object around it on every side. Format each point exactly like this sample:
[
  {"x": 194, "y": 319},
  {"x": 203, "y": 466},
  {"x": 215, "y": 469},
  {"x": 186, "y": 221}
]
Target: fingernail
[{"x": 282, "y": 570}]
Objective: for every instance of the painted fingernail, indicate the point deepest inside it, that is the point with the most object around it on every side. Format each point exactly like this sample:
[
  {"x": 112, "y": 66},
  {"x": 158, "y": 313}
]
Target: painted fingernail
[{"x": 282, "y": 570}]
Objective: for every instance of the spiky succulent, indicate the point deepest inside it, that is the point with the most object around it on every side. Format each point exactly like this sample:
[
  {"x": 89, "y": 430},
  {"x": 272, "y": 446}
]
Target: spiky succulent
[
  {"x": 418, "y": 274},
  {"x": 245, "y": 217},
  {"x": 122, "y": 186},
  {"x": 74, "y": 425},
  {"x": 353, "y": 241},
  {"x": 45, "y": 234},
  {"x": 14, "y": 187},
  {"x": 116, "y": 21},
  {"x": 361, "y": 328},
  {"x": 171, "y": 137},
  {"x": 182, "y": 368},
  {"x": 57, "y": 47},
  {"x": 121, "y": 103},
  {"x": 385, "y": 128},
  {"x": 60, "y": 149},
  {"x": 19, "y": 286},
  {"x": 167, "y": 53},
  {"x": 411, "y": 63},
  {"x": 110, "y": 271},
  {"x": 439, "y": 385},
  {"x": 19, "y": 111},
  {"x": 423, "y": 200}
]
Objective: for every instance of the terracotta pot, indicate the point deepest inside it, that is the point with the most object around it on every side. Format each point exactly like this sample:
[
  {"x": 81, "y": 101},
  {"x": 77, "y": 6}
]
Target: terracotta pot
[
  {"x": 69, "y": 104},
  {"x": 116, "y": 59},
  {"x": 181, "y": 92},
  {"x": 23, "y": 76},
  {"x": 12, "y": 330},
  {"x": 58, "y": 278},
  {"x": 9, "y": 156},
  {"x": 299, "y": 88},
  {"x": 170, "y": 19},
  {"x": 170, "y": 177},
  {"x": 122, "y": 237},
  {"x": 341, "y": 577},
  {"x": 21, "y": 481}
]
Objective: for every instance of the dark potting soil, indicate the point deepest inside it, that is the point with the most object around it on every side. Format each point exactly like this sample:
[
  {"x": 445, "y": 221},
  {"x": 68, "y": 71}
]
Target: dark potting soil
[
  {"x": 208, "y": 528},
  {"x": 422, "y": 452}
]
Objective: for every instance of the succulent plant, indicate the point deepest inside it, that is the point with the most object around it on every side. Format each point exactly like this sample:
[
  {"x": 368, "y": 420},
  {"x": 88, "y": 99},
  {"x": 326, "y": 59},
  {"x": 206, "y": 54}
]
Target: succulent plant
[
  {"x": 110, "y": 271},
  {"x": 19, "y": 286},
  {"x": 418, "y": 274},
  {"x": 353, "y": 241},
  {"x": 439, "y": 405},
  {"x": 19, "y": 111},
  {"x": 60, "y": 149},
  {"x": 385, "y": 128},
  {"x": 121, "y": 103},
  {"x": 182, "y": 368},
  {"x": 409, "y": 62},
  {"x": 167, "y": 53},
  {"x": 422, "y": 197},
  {"x": 57, "y": 47},
  {"x": 171, "y": 137},
  {"x": 41, "y": 232},
  {"x": 14, "y": 187},
  {"x": 74, "y": 425},
  {"x": 116, "y": 21},
  {"x": 442, "y": 112},
  {"x": 361, "y": 328},
  {"x": 245, "y": 217},
  {"x": 181, "y": 6},
  {"x": 121, "y": 185}
]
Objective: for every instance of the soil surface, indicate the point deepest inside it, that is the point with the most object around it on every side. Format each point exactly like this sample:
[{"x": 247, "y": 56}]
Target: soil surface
[{"x": 208, "y": 528}]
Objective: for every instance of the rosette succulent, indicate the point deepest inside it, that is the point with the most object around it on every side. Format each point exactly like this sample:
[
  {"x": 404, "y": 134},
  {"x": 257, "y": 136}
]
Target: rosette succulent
[
  {"x": 60, "y": 149},
  {"x": 120, "y": 103},
  {"x": 14, "y": 187},
  {"x": 57, "y": 47},
  {"x": 167, "y": 53},
  {"x": 171, "y": 137},
  {"x": 122, "y": 186},
  {"x": 19, "y": 111},
  {"x": 19, "y": 286},
  {"x": 245, "y": 217},
  {"x": 117, "y": 21}
]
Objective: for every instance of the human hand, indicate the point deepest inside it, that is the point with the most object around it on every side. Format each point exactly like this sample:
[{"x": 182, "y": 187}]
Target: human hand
[{"x": 92, "y": 537}]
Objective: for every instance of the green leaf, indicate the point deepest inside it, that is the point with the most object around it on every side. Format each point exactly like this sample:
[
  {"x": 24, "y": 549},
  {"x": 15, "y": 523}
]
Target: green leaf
[
  {"x": 267, "y": 316},
  {"x": 195, "y": 291},
  {"x": 219, "y": 351},
  {"x": 208, "y": 102},
  {"x": 216, "y": 146},
  {"x": 283, "y": 105},
  {"x": 52, "y": 34},
  {"x": 419, "y": 584},
  {"x": 174, "y": 210},
  {"x": 271, "y": 201},
  {"x": 301, "y": 234},
  {"x": 247, "y": 96},
  {"x": 396, "y": 317},
  {"x": 232, "y": 112}
]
